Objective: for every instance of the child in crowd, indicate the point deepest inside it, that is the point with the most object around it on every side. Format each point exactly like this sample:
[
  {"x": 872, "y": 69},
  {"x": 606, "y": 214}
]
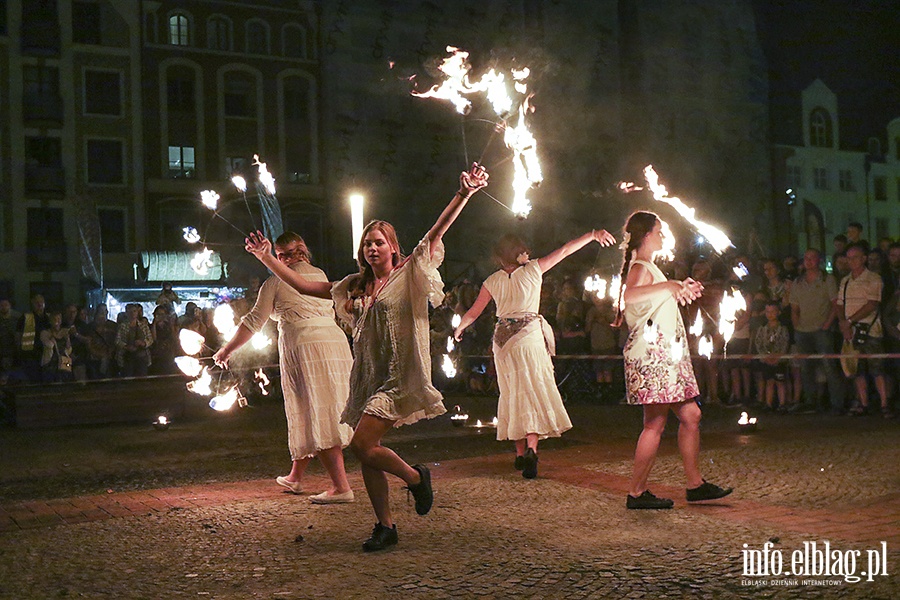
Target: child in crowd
[{"x": 772, "y": 339}]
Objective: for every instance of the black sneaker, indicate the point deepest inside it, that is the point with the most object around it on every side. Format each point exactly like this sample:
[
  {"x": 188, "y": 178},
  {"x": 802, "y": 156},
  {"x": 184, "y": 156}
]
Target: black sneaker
[
  {"x": 707, "y": 491},
  {"x": 382, "y": 537},
  {"x": 529, "y": 464},
  {"x": 422, "y": 491},
  {"x": 647, "y": 500},
  {"x": 520, "y": 462}
]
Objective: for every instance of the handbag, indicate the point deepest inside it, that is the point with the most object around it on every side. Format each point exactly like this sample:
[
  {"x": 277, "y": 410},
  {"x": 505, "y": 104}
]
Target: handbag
[
  {"x": 65, "y": 363},
  {"x": 860, "y": 329}
]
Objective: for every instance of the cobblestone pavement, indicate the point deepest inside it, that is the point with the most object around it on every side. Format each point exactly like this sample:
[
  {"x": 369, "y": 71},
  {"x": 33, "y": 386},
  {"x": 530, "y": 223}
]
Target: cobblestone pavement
[{"x": 566, "y": 534}]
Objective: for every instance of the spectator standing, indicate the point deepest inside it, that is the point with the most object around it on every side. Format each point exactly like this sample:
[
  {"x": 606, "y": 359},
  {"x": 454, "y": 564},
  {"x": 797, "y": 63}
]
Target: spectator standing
[
  {"x": 56, "y": 351},
  {"x": 772, "y": 339},
  {"x": 8, "y": 320},
  {"x": 28, "y": 331},
  {"x": 101, "y": 344},
  {"x": 813, "y": 313},
  {"x": 165, "y": 341},
  {"x": 859, "y": 298},
  {"x": 168, "y": 298},
  {"x": 604, "y": 341}
]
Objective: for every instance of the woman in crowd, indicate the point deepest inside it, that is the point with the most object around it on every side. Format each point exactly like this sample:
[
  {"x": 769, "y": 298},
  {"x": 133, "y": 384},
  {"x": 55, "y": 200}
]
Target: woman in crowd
[
  {"x": 530, "y": 407},
  {"x": 315, "y": 361},
  {"x": 658, "y": 372},
  {"x": 390, "y": 383}
]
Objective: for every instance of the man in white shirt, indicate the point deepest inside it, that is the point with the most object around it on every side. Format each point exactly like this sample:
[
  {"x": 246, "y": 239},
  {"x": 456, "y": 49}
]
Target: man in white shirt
[{"x": 859, "y": 299}]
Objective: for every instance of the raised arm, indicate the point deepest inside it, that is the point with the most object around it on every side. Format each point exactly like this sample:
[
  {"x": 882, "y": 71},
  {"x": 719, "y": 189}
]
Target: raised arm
[
  {"x": 469, "y": 182},
  {"x": 484, "y": 296},
  {"x": 603, "y": 237},
  {"x": 639, "y": 286},
  {"x": 257, "y": 245}
]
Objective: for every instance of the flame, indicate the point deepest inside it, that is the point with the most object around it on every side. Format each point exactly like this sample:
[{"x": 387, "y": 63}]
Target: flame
[
  {"x": 494, "y": 422},
  {"x": 455, "y": 321},
  {"x": 456, "y": 68},
  {"x": 190, "y": 235},
  {"x": 478, "y": 423},
  {"x": 526, "y": 167},
  {"x": 746, "y": 419},
  {"x": 628, "y": 187},
  {"x": 191, "y": 341},
  {"x": 162, "y": 420},
  {"x": 240, "y": 183},
  {"x": 596, "y": 284},
  {"x": 188, "y": 365},
  {"x": 696, "y": 329},
  {"x": 223, "y": 320},
  {"x": 450, "y": 344},
  {"x": 448, "y": 367},
  {"x": 226, "y": 400},
  {"x": 201, "y": 385},
  {"x": 615, "y": 288},
  {"x": 651, "y": 332},
  {"x": 740, "y": 270},
  {"x": 202, "y": 261},
  {"x": 668, "y": 249},
  {"x": 732, "y": 302},
  {"x": 260, "y": 378},
  {"x": 210, "y": 199},
  {"x": 716, "y": 237},
  {"x": 676, "y": 347},
  {"x": 260, "y": 341},
  {"x": 705, "y": 346},
  {"x": 265, "y": 177}
]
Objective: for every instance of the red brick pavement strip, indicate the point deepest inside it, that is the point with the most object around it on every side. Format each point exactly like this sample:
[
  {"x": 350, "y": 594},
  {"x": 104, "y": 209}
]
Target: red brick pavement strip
[{"x": 872, "y": 521}]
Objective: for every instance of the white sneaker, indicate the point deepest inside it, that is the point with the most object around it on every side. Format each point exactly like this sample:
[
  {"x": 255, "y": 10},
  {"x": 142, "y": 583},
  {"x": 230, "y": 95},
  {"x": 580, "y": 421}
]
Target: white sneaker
[
  {"x": 294, "y": 486},
  {"x": 326, "y": 498}
]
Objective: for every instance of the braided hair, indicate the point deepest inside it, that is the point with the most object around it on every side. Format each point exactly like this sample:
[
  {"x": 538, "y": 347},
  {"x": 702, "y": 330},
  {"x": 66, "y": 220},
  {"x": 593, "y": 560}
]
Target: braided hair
[{"x": 637, "y": 227}]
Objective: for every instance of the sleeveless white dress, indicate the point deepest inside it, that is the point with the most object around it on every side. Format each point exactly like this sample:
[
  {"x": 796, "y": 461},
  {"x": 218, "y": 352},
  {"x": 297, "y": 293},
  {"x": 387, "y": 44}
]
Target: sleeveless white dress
[
  {"x": 529, "y": 400},
  {"x": 657, "y": 362}
]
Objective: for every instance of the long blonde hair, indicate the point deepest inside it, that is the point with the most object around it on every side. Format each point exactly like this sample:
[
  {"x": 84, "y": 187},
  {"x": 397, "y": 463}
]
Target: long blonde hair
[{"x": 366, "y": 274}]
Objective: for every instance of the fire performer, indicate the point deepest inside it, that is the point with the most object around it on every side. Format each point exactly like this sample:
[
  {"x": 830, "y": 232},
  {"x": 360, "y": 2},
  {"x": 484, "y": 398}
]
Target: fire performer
[
  {"x": 530, "y": 407},
  {"x": 386, "y": 303},
  {"x": 658, "y": 372},
  {"x": 315, "y": 362}
]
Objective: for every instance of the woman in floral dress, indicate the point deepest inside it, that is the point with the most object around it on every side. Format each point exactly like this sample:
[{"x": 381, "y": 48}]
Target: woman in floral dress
[
  {"x": 386, "y": 304},
  {"x": 658, "y": 372}
]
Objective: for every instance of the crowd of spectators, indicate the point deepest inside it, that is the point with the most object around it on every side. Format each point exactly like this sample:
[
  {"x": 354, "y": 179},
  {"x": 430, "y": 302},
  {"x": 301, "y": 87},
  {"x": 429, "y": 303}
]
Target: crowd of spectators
[{"x": 795, "y": 305}]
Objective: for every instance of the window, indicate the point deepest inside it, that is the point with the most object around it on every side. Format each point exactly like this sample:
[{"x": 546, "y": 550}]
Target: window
[
  {"x": 880, "y": 188},
  {"x": 239, "y": 95},
  {"x": 45, "y": 239},
  {"x": 794, "y": 177},
  {"x": 86, "y": 23},
  {"x": 41, "y": 80},
  {"x": 820, "y": 178},
  {"x": 105, "y": 162},
  {"x": 179, "y": 30},
  {"x": 43, "y": 151},
  {"x": 820, "y": 128},
  {"x": 180, "y": 91},
  {"x": 882, "y": 229},
  {"x": 257, "y": 37},
  {"x": 112, "y": 229},
  {"x": 102, "y": 93},
  {"x": 218, "y": 33},
  {"x": 43, "y": 165},
  {"x": 846, "y": 180},
  {"x": 181, "y": 162},
  {"x": 293, "y": 41}
]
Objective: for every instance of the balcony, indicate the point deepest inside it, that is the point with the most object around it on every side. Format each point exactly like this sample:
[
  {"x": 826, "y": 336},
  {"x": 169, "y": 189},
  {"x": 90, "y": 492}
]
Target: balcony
[
  {"x": 42, "y": 107},
  {"x": 39, "y": 178}
]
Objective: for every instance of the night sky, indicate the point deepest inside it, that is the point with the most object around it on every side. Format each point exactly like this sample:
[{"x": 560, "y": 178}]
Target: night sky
[{"x": 853, "y": 46}]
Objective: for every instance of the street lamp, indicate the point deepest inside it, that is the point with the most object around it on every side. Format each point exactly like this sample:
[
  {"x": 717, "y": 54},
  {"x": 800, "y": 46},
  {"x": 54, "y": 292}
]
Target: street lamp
[{"x": 356, "y": 221}]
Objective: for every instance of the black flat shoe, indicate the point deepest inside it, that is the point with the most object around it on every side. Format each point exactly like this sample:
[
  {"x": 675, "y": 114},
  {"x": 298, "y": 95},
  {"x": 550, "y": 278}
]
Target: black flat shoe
[
  {"x": 520, "y": 463},
  {"x": 707, "y": 491},
  {"x": 529, "y": 464},
  {"x": 382, "y": 537},
  {"x": 422, "y": 491},
  {"x": 647, "y": 500}
]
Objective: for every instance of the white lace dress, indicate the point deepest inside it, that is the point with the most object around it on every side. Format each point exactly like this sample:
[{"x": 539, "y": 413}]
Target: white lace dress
[
  {"x": 391, "y": 375},
  {"x": 529, "y": 400},
  {"x": 657, "y": 362},
  {"x": 315, "y": 361}
]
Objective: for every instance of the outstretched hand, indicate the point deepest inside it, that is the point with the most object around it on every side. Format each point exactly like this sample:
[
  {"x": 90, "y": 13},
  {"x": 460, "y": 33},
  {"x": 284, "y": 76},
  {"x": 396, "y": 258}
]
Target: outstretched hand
[
  {"x": 257, "y": 245},
  {"x": 603, "y": 237},
  {"x": 689, "y": 291},
  {"x": 221, "y": 358},
  {"x": 473, "y": 180}
]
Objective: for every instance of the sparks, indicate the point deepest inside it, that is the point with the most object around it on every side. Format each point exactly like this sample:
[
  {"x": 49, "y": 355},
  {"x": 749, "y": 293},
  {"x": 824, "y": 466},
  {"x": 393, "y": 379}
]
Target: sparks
[{"x": 716, "y": 237}]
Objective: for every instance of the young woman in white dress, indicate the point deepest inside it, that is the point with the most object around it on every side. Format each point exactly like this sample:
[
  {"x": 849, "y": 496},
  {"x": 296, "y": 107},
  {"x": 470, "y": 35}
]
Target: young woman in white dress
[
  {"x": 386, "y": 304},
  {"x": 315, "y": 361},
  {"x": 658, "y": 372},
  {"x": 530, "y": 407}
]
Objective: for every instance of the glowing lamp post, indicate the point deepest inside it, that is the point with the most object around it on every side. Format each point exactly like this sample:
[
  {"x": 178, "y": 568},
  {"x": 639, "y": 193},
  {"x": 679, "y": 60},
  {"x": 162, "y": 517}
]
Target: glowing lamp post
[{"x": 356, "y": 221}]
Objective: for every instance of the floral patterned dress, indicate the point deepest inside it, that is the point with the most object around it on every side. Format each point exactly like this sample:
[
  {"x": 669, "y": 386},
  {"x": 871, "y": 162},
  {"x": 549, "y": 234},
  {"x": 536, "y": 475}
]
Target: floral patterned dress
[
  {"x": 391, "y": 374},
  {"x": 657, "y": 362}
]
